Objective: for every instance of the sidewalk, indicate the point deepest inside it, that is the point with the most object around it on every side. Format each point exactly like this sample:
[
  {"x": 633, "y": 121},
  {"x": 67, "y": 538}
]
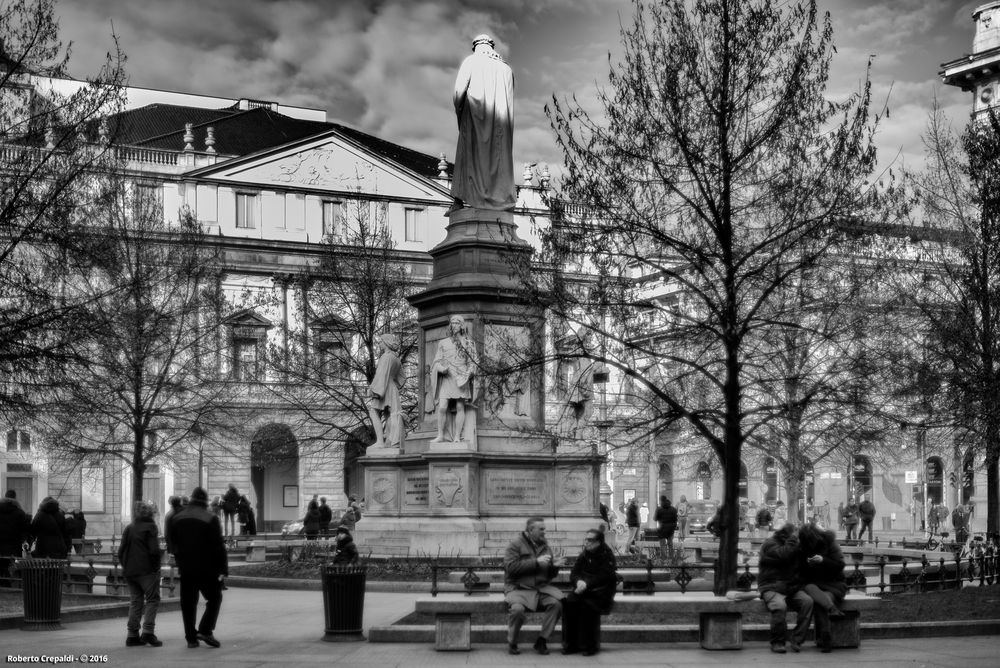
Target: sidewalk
[{"x": 261, "y": 627}]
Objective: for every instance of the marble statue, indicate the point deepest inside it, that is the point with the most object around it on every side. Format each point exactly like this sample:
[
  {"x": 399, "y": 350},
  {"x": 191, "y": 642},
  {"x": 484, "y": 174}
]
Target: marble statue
[
  {"x": 580, "y": 397},
  {"x": 452, "y": 376},
  {"x": 385, "y": 394},
  {"x": 484, "y": 104}
]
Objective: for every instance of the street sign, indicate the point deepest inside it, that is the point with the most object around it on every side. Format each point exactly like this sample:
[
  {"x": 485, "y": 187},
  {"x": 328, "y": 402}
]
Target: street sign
[{"x": 910, "y": 477}]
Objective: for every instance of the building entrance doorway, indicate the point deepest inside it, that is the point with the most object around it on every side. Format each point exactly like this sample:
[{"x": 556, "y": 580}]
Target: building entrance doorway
[{"x": 274, "y": 476}]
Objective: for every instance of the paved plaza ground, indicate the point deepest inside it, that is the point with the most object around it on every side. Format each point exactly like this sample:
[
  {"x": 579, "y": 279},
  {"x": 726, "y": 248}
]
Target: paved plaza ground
[{"x": 261, "y": 627}]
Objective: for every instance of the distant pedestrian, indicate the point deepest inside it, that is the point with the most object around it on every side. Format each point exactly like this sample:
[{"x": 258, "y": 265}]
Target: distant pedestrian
[
  {"x": 216, "y": 508},
  {"x": 325, "y": 517},
  {"x": 230, "y": 506},
  {"x": 841, "y": 515},
  {"x": 780, "y": 514},
  {"x": 960, "y": 522},
  {"x": 247, "y": 517},
  {"x": 49, "y": 529},
  {"x": 866, "y": 513},
  {"x": 310, "y": 521},
  {"x": 763, "y": 520},
  {"x": 683, "y": 508},
  {"x": 196, "y": 535},
  {"x": 78, "y": 531},
  {"x": 175, "y": 507},
  {"x": 346, "y": 551},
  {"x": 14, "y": 531},
  {"x": 139, "y": 554},
  {"x": 666, "y": 524},
  {"x": 632, "y": 521},
  {"x": 851, "y": 519}
]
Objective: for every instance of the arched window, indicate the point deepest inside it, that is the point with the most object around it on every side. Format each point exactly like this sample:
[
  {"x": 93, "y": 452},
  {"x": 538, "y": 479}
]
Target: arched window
[
  {"x": 935, "y": 479},
  {"x": 703, "y": 482},
  {"x": 18, "y": 441},
  {"x": 968, "y": 476},
  {"x": 770, "y": 480},
  {"x": 861, "y": 476}
]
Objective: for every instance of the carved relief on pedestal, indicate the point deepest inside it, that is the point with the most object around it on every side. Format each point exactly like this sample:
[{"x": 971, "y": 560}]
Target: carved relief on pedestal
[
  {"x": 449, "y": 487},
  {"x": 508, "y": 393},
  {"x": 383, "y": 488}
]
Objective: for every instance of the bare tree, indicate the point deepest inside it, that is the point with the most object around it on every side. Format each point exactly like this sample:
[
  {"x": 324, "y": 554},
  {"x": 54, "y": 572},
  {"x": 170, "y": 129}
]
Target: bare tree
[
  {"x": 956, "y": 287},
  {"x": 143, "y": 380},
  {"x": 48, "y": 146},
  {"x": 717, "y": 174},
  {"x": 355, "y": 293}
]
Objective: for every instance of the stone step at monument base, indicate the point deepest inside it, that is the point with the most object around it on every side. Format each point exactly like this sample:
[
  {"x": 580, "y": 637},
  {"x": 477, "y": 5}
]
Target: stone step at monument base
[{"x": 611, "y": 633}]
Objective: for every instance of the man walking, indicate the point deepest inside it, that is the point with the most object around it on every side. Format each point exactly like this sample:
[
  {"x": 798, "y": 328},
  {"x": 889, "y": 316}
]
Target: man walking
[
  {"x": 866, "y": 511},
  {"x": 778, "y": 559},
  {"x": 528, "y": 569},
  {"x": 196, "y": 537},
  {"x": 139, "y": 554}
]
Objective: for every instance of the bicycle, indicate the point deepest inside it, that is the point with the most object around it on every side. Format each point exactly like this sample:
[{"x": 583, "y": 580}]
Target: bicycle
[{"x": 933, "y": 544}]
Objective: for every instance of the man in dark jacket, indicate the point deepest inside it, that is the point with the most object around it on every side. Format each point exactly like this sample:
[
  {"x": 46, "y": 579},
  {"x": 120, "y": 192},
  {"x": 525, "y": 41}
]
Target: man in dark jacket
[
  {"x": 866, "y": 511},
  {"x": 821, "y": 575},
  {"x": 529, "y": 567},
  {"x": 666, "y": 524},
  {"x": 139, "y": 554},
  {"x": 49, "y": 529},
  {"x": 325, "y": 517},
  {"x": 632, "y": 521},
  {"x": 168, "y": 519},
  {"x": 779, "y": 556},
  {"x": 593, "y": 577},
  {"x": 14, "y": 526},
  {"x": 230, "y": 506},
  {"x": 196, "y": 536}
]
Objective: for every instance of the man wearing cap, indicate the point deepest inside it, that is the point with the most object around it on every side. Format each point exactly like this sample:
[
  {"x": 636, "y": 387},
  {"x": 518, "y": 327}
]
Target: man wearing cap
[
  {"x": 484, "y": 104},
  {"x": 347, "y": 551},
  {"x": 196, "y": 537}
]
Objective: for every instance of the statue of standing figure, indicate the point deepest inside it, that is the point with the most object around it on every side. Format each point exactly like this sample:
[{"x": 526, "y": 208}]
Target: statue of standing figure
[
  {"x": 452, "y": 375},
  {"x": 484, "y": 103},
  {"x": 385, "y": 394}
]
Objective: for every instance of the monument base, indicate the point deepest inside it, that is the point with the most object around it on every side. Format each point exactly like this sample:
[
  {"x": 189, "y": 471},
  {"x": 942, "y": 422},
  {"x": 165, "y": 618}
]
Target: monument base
[{"x": 459, "y": 537}]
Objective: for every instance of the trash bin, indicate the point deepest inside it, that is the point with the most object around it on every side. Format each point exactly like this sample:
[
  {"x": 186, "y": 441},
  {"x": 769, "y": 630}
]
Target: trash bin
[
  {"x": 343, "y": 601},
  {"x": 41, "y": 580}
]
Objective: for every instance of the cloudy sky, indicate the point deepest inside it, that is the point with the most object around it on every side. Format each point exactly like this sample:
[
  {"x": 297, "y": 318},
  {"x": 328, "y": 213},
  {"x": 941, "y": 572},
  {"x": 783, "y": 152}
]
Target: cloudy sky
[{"x": 387, "y": 66}]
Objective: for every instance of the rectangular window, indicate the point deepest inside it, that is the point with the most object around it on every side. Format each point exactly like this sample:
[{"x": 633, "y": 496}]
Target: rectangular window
[
  {"x": 246, "y": 368},
  {"x": 18, "y": 441},
  {"x": 414, "y": 224},
  {"x": 246, "y": 208},
  {"x": 148, "y": 205},
  {"x": 333, "y": 363},
  {"x": 331, "y": 220}
]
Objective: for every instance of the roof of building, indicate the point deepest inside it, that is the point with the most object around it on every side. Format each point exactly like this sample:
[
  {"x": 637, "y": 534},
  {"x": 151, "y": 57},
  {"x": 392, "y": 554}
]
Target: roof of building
[{"x": 241, "y": 132}]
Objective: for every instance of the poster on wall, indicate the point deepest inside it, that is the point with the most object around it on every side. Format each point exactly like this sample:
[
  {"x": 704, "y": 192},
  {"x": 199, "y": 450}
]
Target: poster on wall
[
  {"x": 290, "y": 496},
  {"x": 92, "y": 489}
]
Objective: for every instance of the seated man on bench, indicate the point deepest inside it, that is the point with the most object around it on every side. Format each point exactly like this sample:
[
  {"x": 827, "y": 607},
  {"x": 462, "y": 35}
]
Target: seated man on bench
[
  {"x": 779, "y": 556},
  {"x": 594, "y": 581},
  {"x": 528, "y": 570}
]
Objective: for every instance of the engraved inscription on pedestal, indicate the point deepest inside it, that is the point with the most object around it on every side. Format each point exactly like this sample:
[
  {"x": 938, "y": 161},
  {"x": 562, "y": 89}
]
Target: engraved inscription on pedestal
[
  {"x": 416, "y": 488},
  {"x": 516, "y": 487}
]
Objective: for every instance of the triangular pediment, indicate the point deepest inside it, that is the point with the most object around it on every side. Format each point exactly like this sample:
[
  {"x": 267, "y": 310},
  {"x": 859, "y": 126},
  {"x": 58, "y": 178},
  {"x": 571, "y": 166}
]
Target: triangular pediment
[
  {"x": 329, "y": 163},
  {"x": 248, "y": 319}
]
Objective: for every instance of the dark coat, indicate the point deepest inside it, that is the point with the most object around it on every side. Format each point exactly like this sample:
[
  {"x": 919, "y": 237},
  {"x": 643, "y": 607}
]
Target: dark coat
[
  {"x": 828, "y": 575},
  {"x": 866, "y": 510},
  {"x": 349, "y": 519},
  {"x": 139, "y": 552},
  {"x": 49, "y": 529},
  {"x": 666, "y": 520},
  {"x": 346, "y": 552},
  {"x": 310, "y": 523},
  {"x": 632, "y": 515},
  {"x": 14, "y": 527},
  {"x": 764, "y": 517},
  {"x": 521, "y": 569},
  {"x": 196, "y": 536},
  {"x": 779, "y": 560},
  {"x": 599, "y": 570},
  {"x": 79, "y": 528},
  {"x": 230, "y": 501},
  {"x": 325, "y": 516}
]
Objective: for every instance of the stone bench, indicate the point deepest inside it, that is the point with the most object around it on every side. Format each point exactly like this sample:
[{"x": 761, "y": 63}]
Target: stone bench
[{"x": 720, "y": 620}]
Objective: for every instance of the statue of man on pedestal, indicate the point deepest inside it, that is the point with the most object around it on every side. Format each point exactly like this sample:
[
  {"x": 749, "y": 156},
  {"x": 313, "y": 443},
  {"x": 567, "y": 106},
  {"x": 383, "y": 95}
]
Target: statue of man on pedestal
[
  {"x": 484, "y": 103},
  {"x": 452, "y": 374}
]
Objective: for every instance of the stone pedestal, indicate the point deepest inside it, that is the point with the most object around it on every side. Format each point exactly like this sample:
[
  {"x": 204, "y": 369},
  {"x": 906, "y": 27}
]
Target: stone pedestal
[{"x": 471, "y": 494}]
